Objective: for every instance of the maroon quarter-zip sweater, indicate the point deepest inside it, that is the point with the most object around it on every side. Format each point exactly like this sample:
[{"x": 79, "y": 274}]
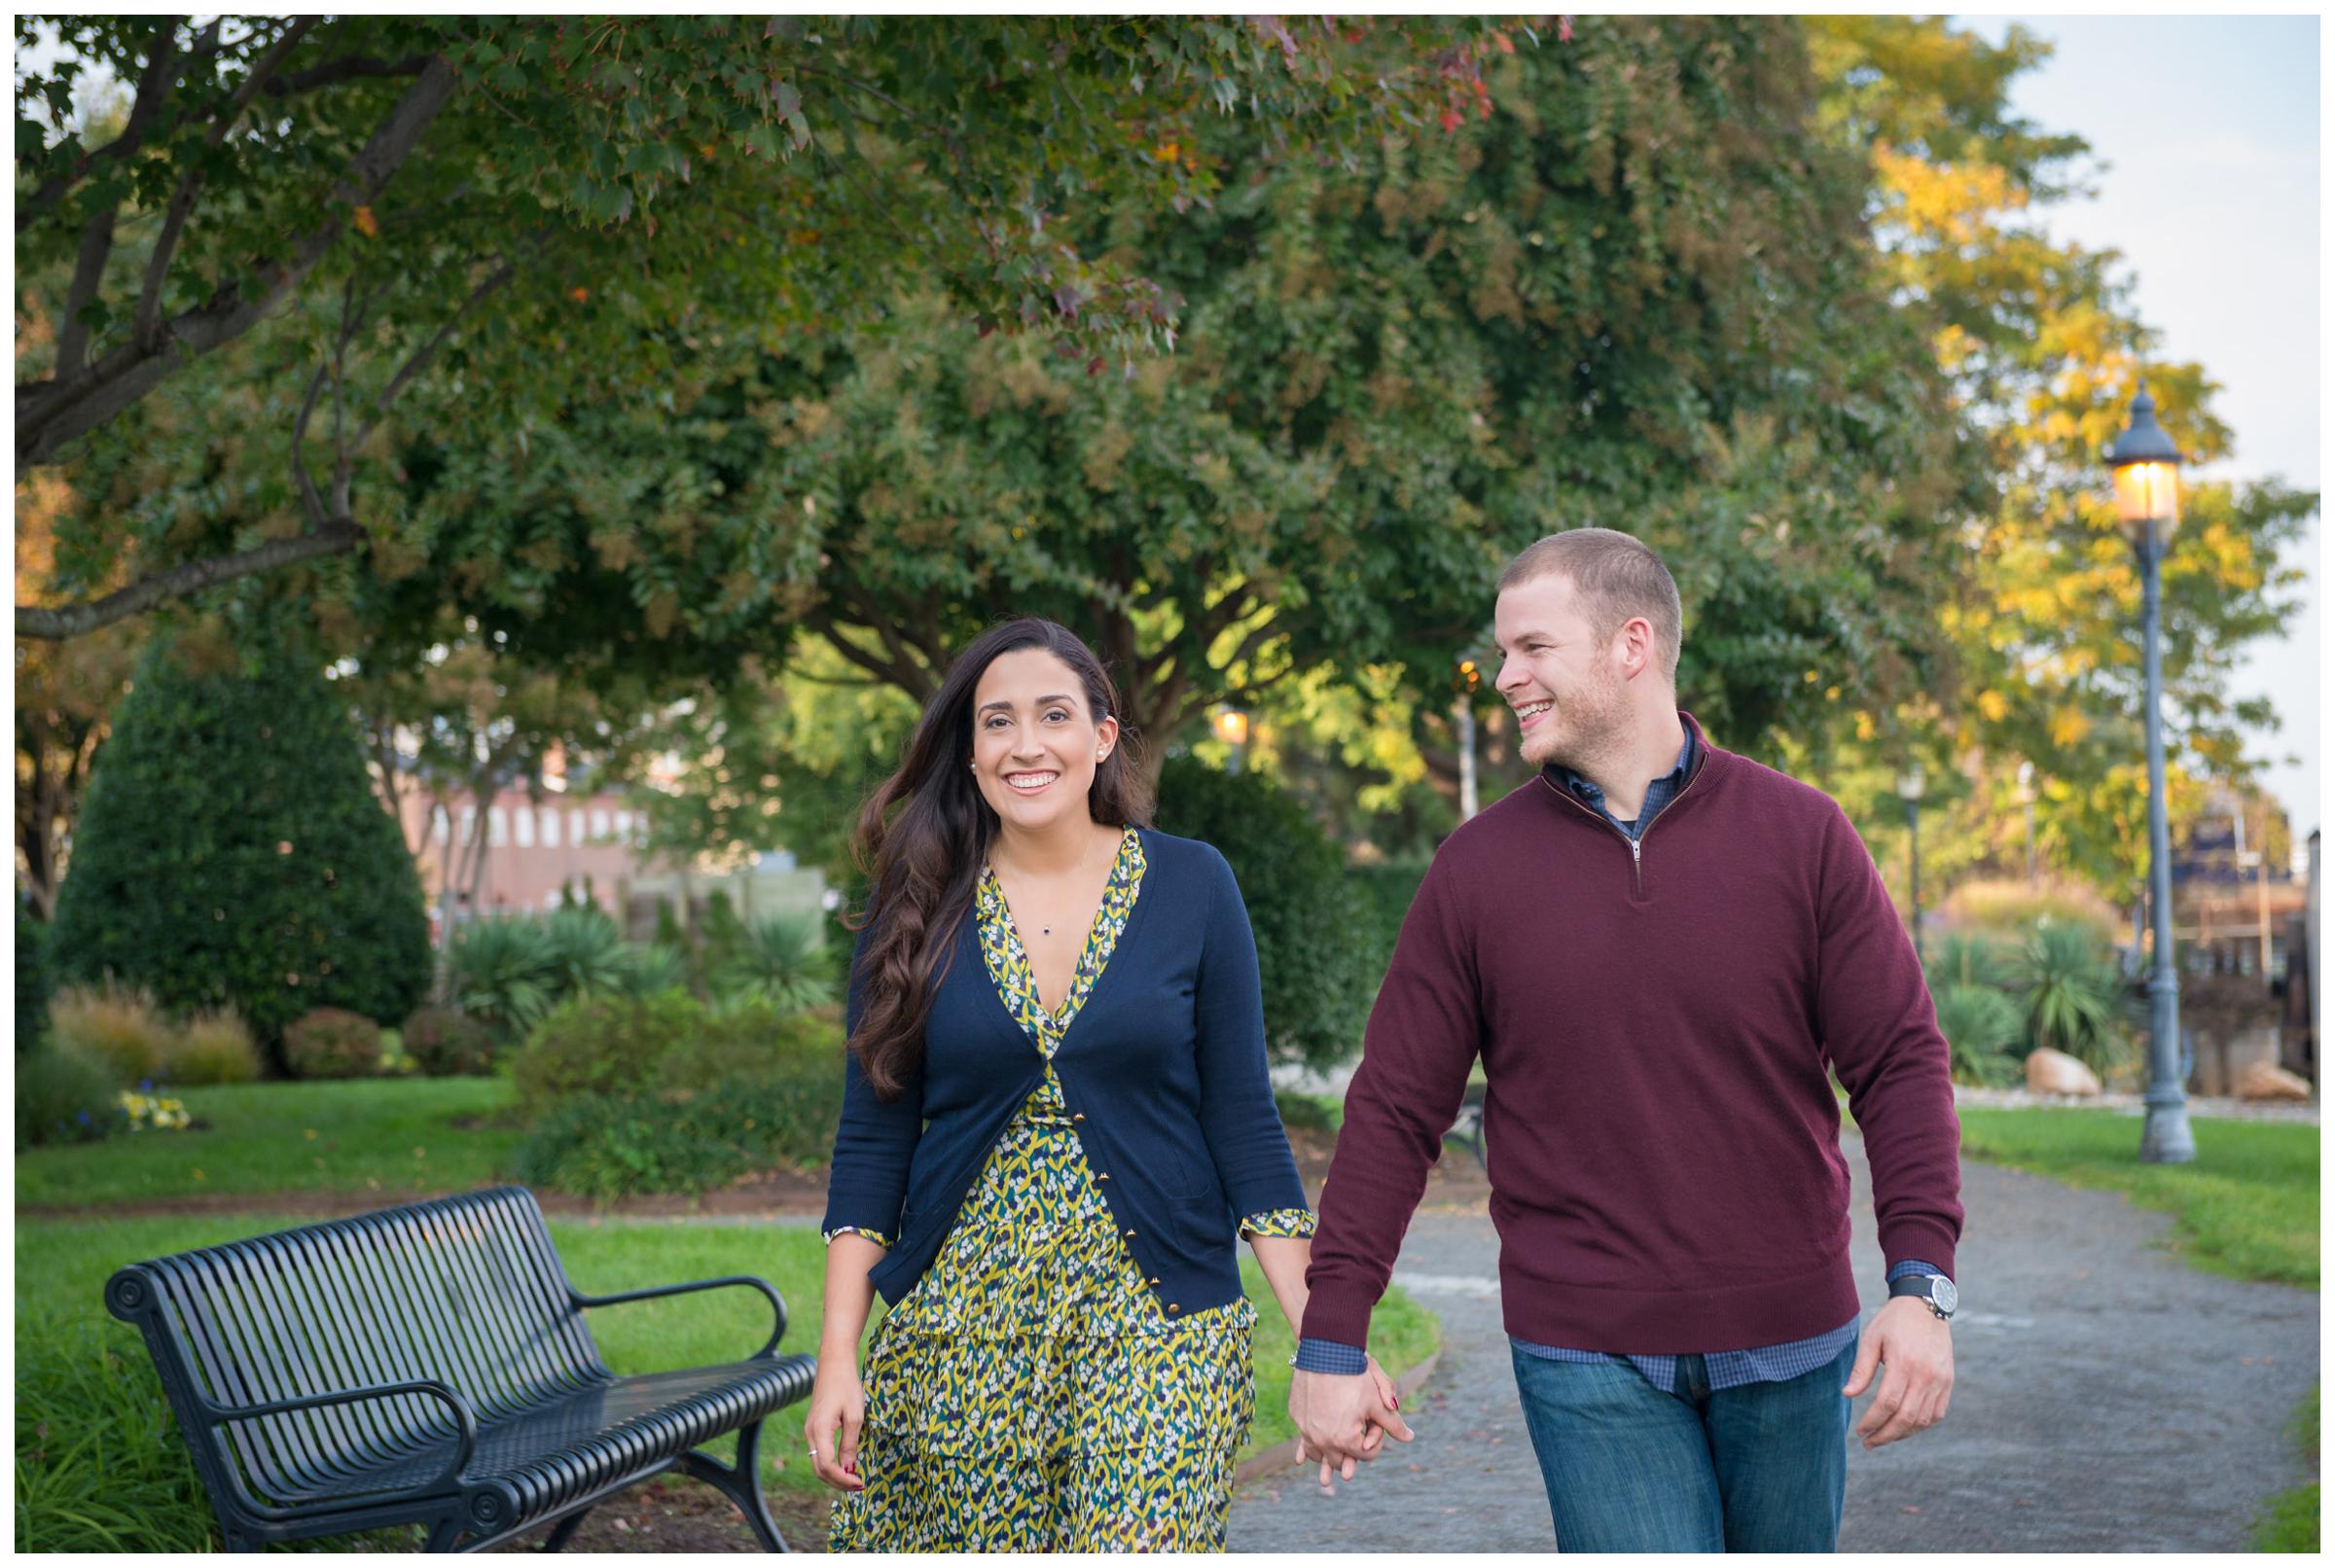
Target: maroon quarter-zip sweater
[{"x": 1656, "y": 1029}]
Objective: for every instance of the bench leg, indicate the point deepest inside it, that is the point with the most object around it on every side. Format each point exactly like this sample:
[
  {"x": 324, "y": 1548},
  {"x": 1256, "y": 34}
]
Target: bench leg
[
  {"x": 444, "y": 1531},
  {"x": 556, "y": 1541},
  {"x": 741, "y": 1483}
]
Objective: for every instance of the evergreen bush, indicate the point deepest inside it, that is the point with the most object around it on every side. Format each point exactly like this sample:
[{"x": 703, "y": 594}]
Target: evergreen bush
[
  {"x": 232, "y": 850},
  {"x": 1313, "y": 931},
  {"x": 33, "y": 983}
]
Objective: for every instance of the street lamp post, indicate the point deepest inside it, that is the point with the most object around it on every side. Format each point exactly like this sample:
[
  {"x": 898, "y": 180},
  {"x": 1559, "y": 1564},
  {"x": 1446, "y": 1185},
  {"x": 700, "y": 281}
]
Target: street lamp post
[
  {"x": 1910, "y": 789},
  {"x": 2026, "y": 797},
  {"x": 2146, "y": 466},
  {"x": 1464, "y": 685}
]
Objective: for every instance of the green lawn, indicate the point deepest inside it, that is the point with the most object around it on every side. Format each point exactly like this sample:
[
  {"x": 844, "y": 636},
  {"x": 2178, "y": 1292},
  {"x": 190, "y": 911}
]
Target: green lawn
[
  {"x": 391, "y": 1135},
  {"x": 2290, "y": 1521},
  {"x": 100, "y": 1467},
  {"x": 2246, "y": 1207}
]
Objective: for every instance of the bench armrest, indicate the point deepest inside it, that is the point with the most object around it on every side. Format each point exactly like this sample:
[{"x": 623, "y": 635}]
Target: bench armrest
[
  {"x": 465, "y": 1418},
  {"x": 768, "y": 1291}
]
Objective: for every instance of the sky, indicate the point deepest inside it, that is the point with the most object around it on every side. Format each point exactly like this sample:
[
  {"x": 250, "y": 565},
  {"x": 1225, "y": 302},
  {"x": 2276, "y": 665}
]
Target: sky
[{"x": 2209, "y": 129}]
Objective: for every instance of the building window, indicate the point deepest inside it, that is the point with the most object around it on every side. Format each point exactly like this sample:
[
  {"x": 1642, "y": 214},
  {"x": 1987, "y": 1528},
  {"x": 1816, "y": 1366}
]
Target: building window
[
  {"x": 470, "y": 818},
  {"x": 499, "y": 827},
  {"x": 551, "y": 827},
  {"x": 575, "y": 828},
  {"x": 599, "y": 824},
  {"x": 438, "y": 825},
  {"x": 524, "y": 822},
  {"x": 623, "y": 827}
]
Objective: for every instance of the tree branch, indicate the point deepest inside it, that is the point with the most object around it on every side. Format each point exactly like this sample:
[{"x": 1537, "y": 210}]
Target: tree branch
[
  {"x": 148, "y": 321},
  {"x": 89, "y": 271},
  {"x": 347, "y": 67},
  {"x": 336, "y": 538},
  {"x": 154, "y": 84},
  {"x": 51, "y": 414}
]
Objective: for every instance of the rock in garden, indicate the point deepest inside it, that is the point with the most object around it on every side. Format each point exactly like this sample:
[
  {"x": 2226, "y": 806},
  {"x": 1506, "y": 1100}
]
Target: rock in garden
[
  {"x": 2055, "y": 1072},
  {"x": 2268, "y": 1081}
]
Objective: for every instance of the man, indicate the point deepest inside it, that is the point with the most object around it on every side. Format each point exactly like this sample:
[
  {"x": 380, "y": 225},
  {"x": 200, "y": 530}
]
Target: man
[{"x": 1661, "y": 951}]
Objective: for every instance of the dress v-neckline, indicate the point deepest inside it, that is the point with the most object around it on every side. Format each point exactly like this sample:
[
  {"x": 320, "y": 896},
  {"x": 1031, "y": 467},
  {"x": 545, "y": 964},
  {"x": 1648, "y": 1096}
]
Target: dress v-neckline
[{"x": 1053, "y": 1023}]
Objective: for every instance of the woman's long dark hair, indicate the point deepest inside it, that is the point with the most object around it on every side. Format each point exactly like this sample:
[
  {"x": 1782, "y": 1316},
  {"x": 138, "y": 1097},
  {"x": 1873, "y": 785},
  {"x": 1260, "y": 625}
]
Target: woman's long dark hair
[{"x": 924, "y": 836}]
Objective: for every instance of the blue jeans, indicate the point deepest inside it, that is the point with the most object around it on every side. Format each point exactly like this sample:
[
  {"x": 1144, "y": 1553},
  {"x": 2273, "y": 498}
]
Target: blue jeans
[{"x": 1633, "y": 1467}]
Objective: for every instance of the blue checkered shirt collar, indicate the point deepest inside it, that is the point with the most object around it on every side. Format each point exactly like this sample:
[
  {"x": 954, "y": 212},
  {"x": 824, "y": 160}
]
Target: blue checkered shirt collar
[{"x": 1658, "y": 791}]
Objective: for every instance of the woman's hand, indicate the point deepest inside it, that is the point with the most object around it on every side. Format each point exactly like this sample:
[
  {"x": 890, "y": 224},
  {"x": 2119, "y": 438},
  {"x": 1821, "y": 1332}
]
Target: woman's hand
[{"x": 837, "y": 1404}]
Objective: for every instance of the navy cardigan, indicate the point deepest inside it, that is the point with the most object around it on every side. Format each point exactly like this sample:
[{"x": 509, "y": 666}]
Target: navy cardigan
[{"x": 1163, "y": 1071}]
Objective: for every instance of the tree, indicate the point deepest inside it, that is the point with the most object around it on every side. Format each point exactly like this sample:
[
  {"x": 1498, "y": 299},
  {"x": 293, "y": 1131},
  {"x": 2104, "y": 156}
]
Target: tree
[
  {"x": 2045, "y": 352},
  {"x": 232, "y": 850},
  {"x": 430, "y": 203},
  {"x": 1361, "y": 422}
]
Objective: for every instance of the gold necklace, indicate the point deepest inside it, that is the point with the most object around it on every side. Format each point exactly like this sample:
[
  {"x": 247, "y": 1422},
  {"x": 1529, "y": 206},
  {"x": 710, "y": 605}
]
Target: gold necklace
[{"x": 1077, "y": 873}]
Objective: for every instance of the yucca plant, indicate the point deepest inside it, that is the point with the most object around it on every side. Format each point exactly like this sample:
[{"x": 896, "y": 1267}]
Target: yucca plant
[
  {"x": 1980, "y": 1024},
  {"x": 1967, "y": 958},
  {"x": 782, "y": 958},
  {"x": 652, "y": 969},
  {"x": 586, "y": 952},
  {"x": 2072, "y": 995},
  {"x": 501, "y": 971}
]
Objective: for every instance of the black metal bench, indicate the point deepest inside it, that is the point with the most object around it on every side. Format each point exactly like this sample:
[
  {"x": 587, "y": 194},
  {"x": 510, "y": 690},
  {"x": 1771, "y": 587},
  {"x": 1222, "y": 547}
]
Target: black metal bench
[{"x": 430, "y": 1365}]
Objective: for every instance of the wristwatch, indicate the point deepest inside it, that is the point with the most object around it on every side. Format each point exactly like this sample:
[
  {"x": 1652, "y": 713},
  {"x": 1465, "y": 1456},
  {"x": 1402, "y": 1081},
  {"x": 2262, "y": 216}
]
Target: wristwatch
[{"x": 1934, "y": 1289}]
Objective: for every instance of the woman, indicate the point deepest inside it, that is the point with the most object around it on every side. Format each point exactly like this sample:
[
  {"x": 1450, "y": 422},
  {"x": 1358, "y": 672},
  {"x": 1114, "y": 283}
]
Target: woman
[{"x": 1056, "y": 1104}]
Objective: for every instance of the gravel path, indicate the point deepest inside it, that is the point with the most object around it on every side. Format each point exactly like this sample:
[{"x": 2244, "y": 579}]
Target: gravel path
[{"x": 2109, "y": 1398}]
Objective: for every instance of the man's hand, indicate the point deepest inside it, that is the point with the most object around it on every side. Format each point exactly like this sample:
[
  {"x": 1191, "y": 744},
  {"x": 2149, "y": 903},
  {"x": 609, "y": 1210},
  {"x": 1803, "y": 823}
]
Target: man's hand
[
  {"x": 1915, "y": 1348},
  {"x": 1343, "y": 1419}
]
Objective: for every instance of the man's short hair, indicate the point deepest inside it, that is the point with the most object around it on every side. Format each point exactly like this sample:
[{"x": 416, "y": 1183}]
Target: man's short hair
[{"x": 1617, "y": 578}]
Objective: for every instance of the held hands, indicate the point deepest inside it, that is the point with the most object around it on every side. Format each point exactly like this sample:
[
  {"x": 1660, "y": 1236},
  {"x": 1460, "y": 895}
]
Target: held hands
[
  {"x": 836, "y": 1401},
  {"x": 1916, "y": 1349},
  {"x": 1343, "y": 1420}
]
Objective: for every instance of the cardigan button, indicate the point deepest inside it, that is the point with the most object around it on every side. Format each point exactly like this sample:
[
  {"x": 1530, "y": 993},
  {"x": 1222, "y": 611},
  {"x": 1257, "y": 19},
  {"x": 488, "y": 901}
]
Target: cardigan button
[
  {"x": 1173, "y": 1307},
  {"x": 1131, "y": 1235},
  {"x": 1103, "y": 1175},
  {"x": 1078, "y": 1116},
  {"x": 1155, "y": 1279}
]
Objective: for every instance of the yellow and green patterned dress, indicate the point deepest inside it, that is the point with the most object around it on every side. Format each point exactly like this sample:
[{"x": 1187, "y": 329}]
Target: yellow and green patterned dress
[{"x": 1028, "y": 1393}]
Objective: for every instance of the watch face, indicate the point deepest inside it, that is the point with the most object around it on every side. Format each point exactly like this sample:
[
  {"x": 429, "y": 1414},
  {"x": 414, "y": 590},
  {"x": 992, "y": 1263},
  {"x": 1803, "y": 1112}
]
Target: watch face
[{"x": 1943, "y": 1295}]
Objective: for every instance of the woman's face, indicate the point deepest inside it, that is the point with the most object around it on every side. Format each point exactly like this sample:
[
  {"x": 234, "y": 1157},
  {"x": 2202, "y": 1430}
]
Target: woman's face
[{"x": 1035, "y": 742}]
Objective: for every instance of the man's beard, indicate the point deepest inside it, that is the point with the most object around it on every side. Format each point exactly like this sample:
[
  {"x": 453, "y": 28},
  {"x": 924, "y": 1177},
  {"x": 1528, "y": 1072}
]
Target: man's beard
[{"x": 1591, "y": 724}]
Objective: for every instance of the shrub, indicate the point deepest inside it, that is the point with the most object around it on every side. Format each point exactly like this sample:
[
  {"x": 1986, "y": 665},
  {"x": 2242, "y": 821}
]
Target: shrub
[
  {"x": 687, "y": 1140},
  {"x": 1981, "y": 1025},
  {"x": 1315, "y": 953},
  {"x": 232, "y": 849},
  {"x": 782, "y": 957},
  {"x": 213, "y": 1047},
  {"x": 32, "y": 976},
  {"x": 1314, "y": 1113},
  {"x": 65, "y": 1094},
  {"x": 448, "y": 1043},
  {"x": 116, "y": 1024},
  {"x": 602, "y": 1045},
  {"x": 333, "y": 1043},
  {"x": 2072, "y": 995},
  {"x": 2011, "y": 908},
  {"x": 502, "y": 972},
  {"x": 1384, "y": 892}
]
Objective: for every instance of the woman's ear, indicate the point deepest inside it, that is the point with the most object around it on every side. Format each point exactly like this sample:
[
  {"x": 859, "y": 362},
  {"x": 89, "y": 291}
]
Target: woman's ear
[{"x": 1106, "y": 737}]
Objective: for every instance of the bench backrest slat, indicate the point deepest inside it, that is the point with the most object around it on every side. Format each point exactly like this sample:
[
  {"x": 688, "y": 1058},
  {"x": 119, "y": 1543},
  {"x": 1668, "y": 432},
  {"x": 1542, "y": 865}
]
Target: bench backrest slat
[{"x": 466, "y": 1290}]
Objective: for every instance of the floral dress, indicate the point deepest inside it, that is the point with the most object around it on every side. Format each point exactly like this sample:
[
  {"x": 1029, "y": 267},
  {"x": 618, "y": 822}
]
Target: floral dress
[{"x": 1028, "y": 1393}]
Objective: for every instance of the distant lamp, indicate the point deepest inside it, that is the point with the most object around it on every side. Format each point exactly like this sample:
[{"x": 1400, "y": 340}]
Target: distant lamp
[
  {"x": 2147, "y": 467},
  {"x": 1231, "y": 726}
]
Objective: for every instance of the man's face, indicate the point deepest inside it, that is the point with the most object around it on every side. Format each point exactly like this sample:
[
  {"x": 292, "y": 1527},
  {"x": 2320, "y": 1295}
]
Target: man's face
[{"x": 1560, "y": 678}]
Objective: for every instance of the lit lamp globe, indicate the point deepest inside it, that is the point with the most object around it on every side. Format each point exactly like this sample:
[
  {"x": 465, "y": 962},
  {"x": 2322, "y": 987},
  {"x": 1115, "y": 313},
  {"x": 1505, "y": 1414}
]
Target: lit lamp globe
[{"x": 2148, "y": 479}]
